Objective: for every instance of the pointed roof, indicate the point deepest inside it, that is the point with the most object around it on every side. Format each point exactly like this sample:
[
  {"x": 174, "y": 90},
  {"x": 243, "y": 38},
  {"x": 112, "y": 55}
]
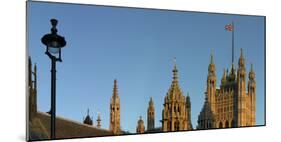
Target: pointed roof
[
  {"x": 115, "y": 89},
  {"x": 241, "y": 53},
  {"x": 187, "y": 101},
  {"x": 174, "y": 91},
  {"x": 151, "y": 102},
  {"x": 241, "y": 61},
  {"x": 212, "y": 59},
  {"x": 140, "y": 121},
  {"x": 88, "y": 119},
  {"x": 99, "y": 119},
  {"x": 175, "y": 71},
  {"x": 212, "y": 67},
  {"x": 224, "y": 76},
  {"x": 252, "y": 73}
]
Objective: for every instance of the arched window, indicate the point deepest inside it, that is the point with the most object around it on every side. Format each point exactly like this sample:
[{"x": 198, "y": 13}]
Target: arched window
[
  {"x": 177, "y": 126},
  {"x": 226, "y": 124},
  {"x": 169, "y": 126},
  {"x": 232, "y": 123},
  {"x": 220, "y": 125}
]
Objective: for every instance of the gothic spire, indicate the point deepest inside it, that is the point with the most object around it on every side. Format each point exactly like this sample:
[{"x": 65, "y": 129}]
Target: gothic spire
[
  {"x": 99, "y": 121},
  {"x": 241, "y": 61},
  {"x": 212, "y": 67},
  {"x": 187, "y": 101},
  {"x": 115, "y": 89},
  {"x": 251, "y": 73},
  {"x": 175, "y": 71},
  {"x": 151, "y": 102},
  {"x": 212, "y": 59},
  {"x": 241, "y": 53}
]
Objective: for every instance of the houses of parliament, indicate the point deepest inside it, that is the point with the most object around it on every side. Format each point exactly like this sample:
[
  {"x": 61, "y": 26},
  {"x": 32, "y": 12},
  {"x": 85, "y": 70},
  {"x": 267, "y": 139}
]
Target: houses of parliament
[{"x": 231, "y": 104}]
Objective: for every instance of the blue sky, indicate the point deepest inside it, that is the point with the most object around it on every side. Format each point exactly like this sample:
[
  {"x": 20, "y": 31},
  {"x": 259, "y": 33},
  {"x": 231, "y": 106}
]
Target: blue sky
[{"x": 137, "y": 47}]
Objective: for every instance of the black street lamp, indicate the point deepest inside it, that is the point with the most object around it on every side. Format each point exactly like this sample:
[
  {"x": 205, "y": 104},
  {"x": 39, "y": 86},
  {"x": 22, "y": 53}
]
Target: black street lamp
[{"x": 54, "y": 43}]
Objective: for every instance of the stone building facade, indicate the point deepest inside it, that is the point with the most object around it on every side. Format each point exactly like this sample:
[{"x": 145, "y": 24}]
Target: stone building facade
[
  {"x": 115, "y": 111},
  {"x": 233, "y": 104},
  {"x": 176, "y": 112}
]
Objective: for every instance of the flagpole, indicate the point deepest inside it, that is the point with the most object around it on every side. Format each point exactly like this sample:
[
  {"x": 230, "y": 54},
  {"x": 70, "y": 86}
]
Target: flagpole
[{"x": 233, "y": 42}]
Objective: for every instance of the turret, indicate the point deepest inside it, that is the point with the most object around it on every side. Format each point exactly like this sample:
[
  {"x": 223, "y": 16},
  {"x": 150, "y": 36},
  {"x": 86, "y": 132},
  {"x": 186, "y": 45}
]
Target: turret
[
  {"x": 188, "y": 110},
  {"x": 140, "y": 126},
  {"x": 115, "y": 111},
  {"x": 99, "y": 121},
  {"x": 211, "y": 83},
  {"x": 241, "y": 73},
  {"x": 252, "y": 95},
  {"x": 150, "y": 115},
  {"x": 241, "y": 92}
]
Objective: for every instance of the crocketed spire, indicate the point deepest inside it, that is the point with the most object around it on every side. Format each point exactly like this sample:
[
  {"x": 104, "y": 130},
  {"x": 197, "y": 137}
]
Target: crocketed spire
[
  {"x": 252, "y": 73},
  {"x": 212, "y": 67}
]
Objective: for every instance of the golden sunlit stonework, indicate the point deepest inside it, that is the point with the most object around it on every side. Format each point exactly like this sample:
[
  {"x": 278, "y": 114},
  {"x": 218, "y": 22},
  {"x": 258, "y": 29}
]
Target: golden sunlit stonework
[
  {"x": 140, "y": 126},
  {"x": 150, "y": 115},
  {"x": 176, "y": 112},
  {"x": 115, "y": 111},
  {"x": 232, "y": 104}
]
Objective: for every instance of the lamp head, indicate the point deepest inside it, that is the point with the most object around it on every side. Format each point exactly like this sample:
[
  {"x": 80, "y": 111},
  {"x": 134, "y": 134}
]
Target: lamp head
[{"x": 53, "y": 41}]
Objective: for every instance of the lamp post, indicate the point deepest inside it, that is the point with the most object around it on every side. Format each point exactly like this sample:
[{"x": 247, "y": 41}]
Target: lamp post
[{"x": 54, "y": 43}]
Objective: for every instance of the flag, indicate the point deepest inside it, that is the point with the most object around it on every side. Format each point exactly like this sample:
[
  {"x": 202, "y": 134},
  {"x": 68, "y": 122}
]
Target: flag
[{"x": 229, "y": 27}]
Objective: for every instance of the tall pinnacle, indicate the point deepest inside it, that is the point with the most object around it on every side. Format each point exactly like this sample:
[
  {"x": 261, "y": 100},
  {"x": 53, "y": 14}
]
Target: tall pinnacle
[
  {"x": 252, "y": 69},
  {"x": 99, "y": 121},
  {"x": 175, "y": 71},
  {"x": 150, "y": 102},
  {"x": 241, "y": 53},
  {"x": 252, "y": 73},
  {"x": 115, "y": 89},
  {"x": 212, "y": 67},
  {"x": 212, "y": 59}
]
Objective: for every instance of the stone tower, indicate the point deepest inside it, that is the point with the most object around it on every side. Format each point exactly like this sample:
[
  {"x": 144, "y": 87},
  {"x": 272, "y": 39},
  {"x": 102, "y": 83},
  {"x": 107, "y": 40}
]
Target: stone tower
[
  {"x": 140, "y": 127},
  {"x": 230, "y": 104},
  {"x": 241, "y": 92},
  {"x": 252, "y": 96},
  {"x": 88, "y": 120},
  {"x": 115, "y": 111},
  {"x": 174, "y": 114},
  {"x": 99, "y": 121},
  {"x": 188, "y": 109},
  {"x": 32, "y": 90},
  {"x": 150, "y": 115},
  {"x": 211, "y": 83}
]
